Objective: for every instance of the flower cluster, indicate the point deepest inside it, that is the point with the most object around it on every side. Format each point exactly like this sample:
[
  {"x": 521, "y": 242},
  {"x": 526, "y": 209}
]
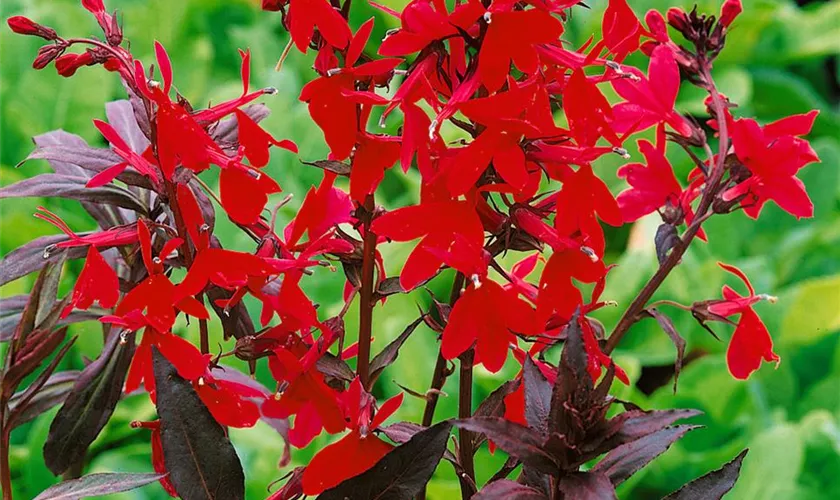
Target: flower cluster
[{"x": 534, "y": 116}]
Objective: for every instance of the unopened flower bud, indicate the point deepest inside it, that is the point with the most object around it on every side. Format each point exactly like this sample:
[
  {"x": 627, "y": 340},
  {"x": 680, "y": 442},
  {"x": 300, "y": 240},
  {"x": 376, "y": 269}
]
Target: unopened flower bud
[
  {"x": 46, "y": 55},
  {"x": 25, "y": 26},
  {"x": 273, "y": 5},
  {"x": 729, "y": 11},
  {"x": 678, "y": 19}
]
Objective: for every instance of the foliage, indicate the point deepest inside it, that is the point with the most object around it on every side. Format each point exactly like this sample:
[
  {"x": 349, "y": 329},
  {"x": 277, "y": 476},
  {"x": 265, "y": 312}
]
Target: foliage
[{"x": 775, "y": 65}]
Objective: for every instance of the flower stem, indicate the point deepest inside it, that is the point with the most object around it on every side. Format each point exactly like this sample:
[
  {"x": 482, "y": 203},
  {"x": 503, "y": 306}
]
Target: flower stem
[
  {"x": 465, "y": 447},
  {"x": 5, "y": 471},
  {"x": 366, "y": 300},
  {"x": 631, "y": 315}
]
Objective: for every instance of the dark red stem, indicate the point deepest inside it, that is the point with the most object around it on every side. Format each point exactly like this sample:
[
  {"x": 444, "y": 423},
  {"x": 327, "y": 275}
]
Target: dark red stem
[
  {"x": 366, "y": 299},
  {"x": 631, "y": 315}
]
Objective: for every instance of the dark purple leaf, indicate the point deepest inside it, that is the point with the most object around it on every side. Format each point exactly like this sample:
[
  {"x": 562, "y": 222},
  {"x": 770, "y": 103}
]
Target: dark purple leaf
[
  {"x": 389, "y": 354},
  {"x": 97, "y": 484},
  {"x": 519, "y": 441},
  {"x": 52, "y": 393},
  {"x": 335, "y": 367},
  {"x": 586, "y": 486},
  {"x": 635, "y": 424},
  {"x": 8, "y": 323},
  {"x": 389, "y": 286},
  {"x": 89, "y": 405},
  {"x": 493, "y": 406},
  {"x": 30, "y": 257},
  {"x": 236, "y": 322},
  {"x": 226, "y": 132},
  {"x": 713, "y": 485},
  {"x": 121, "y": 116},
  {"x": 666, "y": 238},
  {"x": 401, "y": 473},
  {"x": 23, "y": 360},
  {"x": 200, "y": 458},
  {"x": 401, "y": 431},
  {"x": 141, "y": 116},
  {"x": 668, "y": 327},
  {"x": 73, "y": 188},
  {"x": 537, "y": 396},
  {"x": 336, "y": 167},
  {"x": 624, "y": 461},
  {"x": 506, "y": 489},
  {"x": 573, "y": 384}
]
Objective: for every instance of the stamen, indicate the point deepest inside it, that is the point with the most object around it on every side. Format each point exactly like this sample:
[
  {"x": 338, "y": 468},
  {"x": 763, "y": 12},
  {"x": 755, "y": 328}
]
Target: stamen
[
  {"x": 589, "y": 253},
  {"x": 476, "y": 281},
  {"x": 621, "y": 152},
  {"x": 769, "y": 298},
  {"x": 488, "y": 18}
]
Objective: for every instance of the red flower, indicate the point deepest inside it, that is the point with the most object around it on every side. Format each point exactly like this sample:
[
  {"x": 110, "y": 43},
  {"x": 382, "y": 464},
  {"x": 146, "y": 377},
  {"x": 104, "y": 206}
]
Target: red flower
[
  {"x": 751, "y": 342},
  {"x": 487, "y": 315},
  {"x": 437, "y": 223},
  {"x": 773, "y": 154},
  {"x": 112, "y": 237},
  {"x": 651, "y": 186},
  {"x": 96, "y": 283},
  {"x": 423, "y": 23},
  {"x": 304, "y": 15},
  {"x": 650, "y": 101},
  {"x": 583, "y": 197},
  {"x": 255, "y": 141},
  {"x": 321, "y": 210},
  {"x": 332, "y": 98},
  {"x": 588, "y": 112},
  {"x": 621, "y": 29},
  {"x": 124, "y": 151},
  {"x": 356, "y": 452},
  {"x": 374, "y": 155},
  {"x": 25, "y": 26},
  {"x": 558, "y": 294},
  {"x": 512, "y": 37}
]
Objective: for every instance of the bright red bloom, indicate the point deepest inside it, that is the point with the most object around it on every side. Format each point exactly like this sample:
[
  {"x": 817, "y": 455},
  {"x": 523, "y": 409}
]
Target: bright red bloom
[
  {"x": 255, "y": 141},
  {"x": 321, "y": 210},
  {"x": 112, "y": 237},
  {"x": 356, "y": 452},
  {"x": 773, "y": 154},
  {"x": 96, "y": 283},
  {"x": 558, "y": 294},
  {"x": 374, "y": 155},
  {"x": 651, "y": 186},
  {"x": 437, "y": 223},
  {"x": 487, "y": 315},
  {"x": 621, "y": 29},
  {"x": 130, "y": 157},
  {"x": 304, "y": 15},
  {"x": 583, "y": 197},
  {"x": 588, "y": 111},
  {"x": 512, "y": 37},
  {"x": 424, "y": 21},
  {"x": 751, "y": 342},
  {"x": 651, "y": 99}
]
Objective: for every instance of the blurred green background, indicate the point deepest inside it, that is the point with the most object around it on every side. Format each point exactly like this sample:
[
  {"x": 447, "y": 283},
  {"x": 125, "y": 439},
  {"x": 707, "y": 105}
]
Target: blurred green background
[{"x": 781, "y": 58}]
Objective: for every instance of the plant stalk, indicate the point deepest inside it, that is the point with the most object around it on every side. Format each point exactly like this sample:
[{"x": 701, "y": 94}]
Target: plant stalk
[
  {"x": 465, "y": 447},
  {"x": 366, "y": 299},
  {"x": 631, "y": 315}
]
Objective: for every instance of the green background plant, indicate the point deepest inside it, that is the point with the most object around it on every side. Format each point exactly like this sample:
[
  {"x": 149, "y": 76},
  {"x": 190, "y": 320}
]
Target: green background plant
[{"x": 780, "y": 59}]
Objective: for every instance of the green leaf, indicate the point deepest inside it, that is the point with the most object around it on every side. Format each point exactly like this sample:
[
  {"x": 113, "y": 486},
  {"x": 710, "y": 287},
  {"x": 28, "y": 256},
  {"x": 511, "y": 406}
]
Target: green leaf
[
  {"x": 813, "y": 311},
  {"x": 773, "y": 464}
]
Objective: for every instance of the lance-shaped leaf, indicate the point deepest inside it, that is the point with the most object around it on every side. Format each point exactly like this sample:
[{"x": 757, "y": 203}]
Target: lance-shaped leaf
[
  {"x": 401, "y": 431},
  {"x": 28, "y": 356},
  {"x": 624, "y": 461},
  {"x": 389, "y": 286},
  {"x": 53, "y": 392},
  {"x": 573, "y": 383},
  {"x": 73, "y": 188},
  {"x": 389, "y": 354},
  {"x": 89, "y": 405},
  {"x": 33, "y": 256},
  {"x": 537, "y": 396},
  {"x": 200, "y": 458},
  {"x": 493, "y": 406},
  {"x": 636, "y": 424},
  {"x": 400, "y": 474},
  {"x": 505, "y": 489},
  {"x": 517, "y": 440},
  {"x": 335, "y": 367},
  {"x": 121, "y": 116},
  {"x": 336, "y": 167},
  {"x": 97, "y": 484},
  {"x": 668, "y": 327},
  {"x": 711, "y": 486},
  {"x": 586, "y": 486}
]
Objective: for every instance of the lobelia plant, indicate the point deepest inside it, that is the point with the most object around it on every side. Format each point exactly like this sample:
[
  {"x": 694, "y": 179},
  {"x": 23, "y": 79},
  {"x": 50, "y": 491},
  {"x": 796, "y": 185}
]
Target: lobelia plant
[{"x": 522, "y": 181}]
